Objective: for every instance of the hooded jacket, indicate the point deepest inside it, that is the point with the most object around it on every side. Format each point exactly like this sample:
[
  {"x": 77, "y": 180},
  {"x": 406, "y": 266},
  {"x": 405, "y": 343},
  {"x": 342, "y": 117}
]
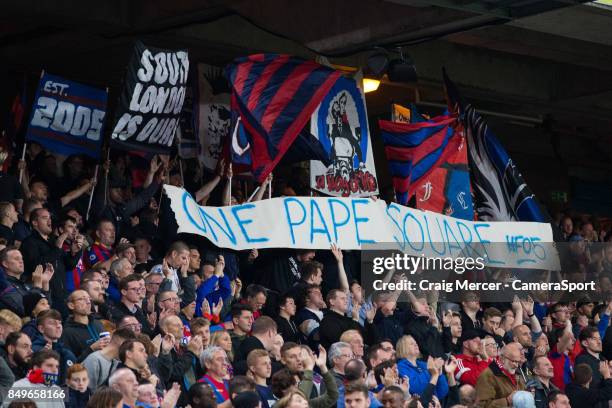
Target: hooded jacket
[
  {"x": 67, "y": 357},
  {"x": 79, "y": 337}
]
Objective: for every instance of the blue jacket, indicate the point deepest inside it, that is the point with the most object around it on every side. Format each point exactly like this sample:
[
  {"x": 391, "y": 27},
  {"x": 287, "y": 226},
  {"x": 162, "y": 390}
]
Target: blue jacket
[
  {"x": 419, "y": 378},
  {"x": 67, "y": 357},
  {"x": 208, "y": 290}
]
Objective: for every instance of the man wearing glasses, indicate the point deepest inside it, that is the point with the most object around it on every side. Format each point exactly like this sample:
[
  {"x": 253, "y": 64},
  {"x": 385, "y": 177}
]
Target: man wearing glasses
[
  {"x": 81, "y": 331},
  {"x": 131, "y": 289},
  {"x": 499, "y": 381}
]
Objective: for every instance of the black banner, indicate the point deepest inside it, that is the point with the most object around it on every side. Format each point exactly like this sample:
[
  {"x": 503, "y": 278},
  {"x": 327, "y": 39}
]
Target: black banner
[{"x": 151, "y": 101}]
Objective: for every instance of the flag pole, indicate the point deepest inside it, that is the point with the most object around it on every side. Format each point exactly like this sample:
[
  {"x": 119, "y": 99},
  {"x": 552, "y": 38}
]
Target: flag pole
[
  {"x": 23, "y": 153},
  {"x": 106, "y": 171},
  {"x": 180, "y": 163},
  {"x": 91, "y": 194},
  {"x": 229, "y": 180},
  {"x": 270, "y": 188},
  {"x": 253, "y": 194}
]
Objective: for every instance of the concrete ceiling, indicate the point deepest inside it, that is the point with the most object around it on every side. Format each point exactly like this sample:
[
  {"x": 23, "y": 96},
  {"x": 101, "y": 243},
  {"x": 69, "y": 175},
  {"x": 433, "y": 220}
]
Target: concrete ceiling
[{"x": 543, "y": 59}]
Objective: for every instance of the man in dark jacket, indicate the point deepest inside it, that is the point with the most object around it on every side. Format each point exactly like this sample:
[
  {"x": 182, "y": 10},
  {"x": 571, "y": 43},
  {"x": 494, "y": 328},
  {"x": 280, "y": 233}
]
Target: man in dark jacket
[
  {"x": 335, "y": 322},
  {"x": 81, "y": 332},
  {"x": 590, "y": 340},
  {"x": 11, "y": 263},
  {"x": 130, "y": 298},
  {"x": 179, "y": 362},
  {"x": 540, "y": 384},
  {"x": 580, "y": 392},
  {"x": 41, "y": 247}
]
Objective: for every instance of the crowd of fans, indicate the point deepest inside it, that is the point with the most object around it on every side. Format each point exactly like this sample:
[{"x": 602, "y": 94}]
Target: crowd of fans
[{"x": 108, "y": 307}]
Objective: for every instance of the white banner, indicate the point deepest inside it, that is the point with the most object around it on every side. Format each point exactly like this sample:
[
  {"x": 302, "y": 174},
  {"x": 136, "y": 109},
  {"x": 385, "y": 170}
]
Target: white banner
[{"x": 359, "y": 223}]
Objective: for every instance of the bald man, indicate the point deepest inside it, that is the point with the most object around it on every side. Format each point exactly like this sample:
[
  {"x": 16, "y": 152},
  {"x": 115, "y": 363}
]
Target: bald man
[
  {"x": 498, "y": 382},
  {"x": 124, "y": 380},
  {"x": 81, "y": 331}
]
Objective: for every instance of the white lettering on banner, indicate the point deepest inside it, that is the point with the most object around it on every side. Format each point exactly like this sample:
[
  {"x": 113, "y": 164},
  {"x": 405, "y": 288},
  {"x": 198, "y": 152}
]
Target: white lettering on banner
[
  {"x": 161, "y": 91},
  {"x": 355, "y": 223},
  {"x": 65, "y": 117}
]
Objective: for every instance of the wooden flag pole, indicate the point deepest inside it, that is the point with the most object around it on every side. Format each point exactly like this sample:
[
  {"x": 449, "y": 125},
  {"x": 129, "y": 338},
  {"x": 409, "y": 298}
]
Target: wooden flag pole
[{"x": 91, "y": 194}]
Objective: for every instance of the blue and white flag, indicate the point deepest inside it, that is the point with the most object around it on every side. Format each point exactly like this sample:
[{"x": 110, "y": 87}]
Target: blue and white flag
[
  {"x": 67, "y": 117},
  {"x": 500, "y": 192}
]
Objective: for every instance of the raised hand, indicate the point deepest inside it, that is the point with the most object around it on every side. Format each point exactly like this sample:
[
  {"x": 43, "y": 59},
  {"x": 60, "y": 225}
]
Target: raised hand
[
  {"x": 196, "y": 345},
  {"x": 217, "y": 308},
  {"x": 447, "y": 316},
  {"x": 37, "y": 276},
  {"x": 527, "y": 305},
  {"x": 253, "y": 254},
  {"x": 166, "y": 269},
  {"x": 152, "y": 319},
  {"x": 404, "y": 384},
  {"x": 47, "y": 273},
  {"x": 205, "y": 309},
  {"x": 337, "y": 253},
  {"x": 370, "y": 313},
  {"x": 167, "y": 343},
  {"x": 307, "y": 360},
  {"x": 451, "y": 366},
  {"x": 165, "y": 312},
  {"x": 171, "y": 396},
  {"x": 219, "y": 265},
  {"x": 321, "y": 360}
]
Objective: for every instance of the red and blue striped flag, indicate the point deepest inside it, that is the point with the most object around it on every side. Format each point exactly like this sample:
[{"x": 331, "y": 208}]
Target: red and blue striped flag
[
  {"x": 274, "y": 96},
  {"x": 428, "y": 160}
]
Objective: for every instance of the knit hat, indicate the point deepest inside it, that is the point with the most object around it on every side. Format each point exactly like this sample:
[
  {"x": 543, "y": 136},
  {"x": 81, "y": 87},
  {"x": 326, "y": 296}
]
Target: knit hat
[{"x": 30, "y": 301}]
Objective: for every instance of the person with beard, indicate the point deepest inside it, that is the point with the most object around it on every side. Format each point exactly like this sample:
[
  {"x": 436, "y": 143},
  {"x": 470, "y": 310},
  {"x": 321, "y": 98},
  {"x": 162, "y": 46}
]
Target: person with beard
[
  {"x": 18, "y": 348},
  {"x": 43, "y": 378},
  {"x": 474, "y": 358},
  {"x": 93, "y": 287},
  {"x": 81, "y": 331},
  {"x": 41, "y": 247},
  {"x": 498, "y": 383}
]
